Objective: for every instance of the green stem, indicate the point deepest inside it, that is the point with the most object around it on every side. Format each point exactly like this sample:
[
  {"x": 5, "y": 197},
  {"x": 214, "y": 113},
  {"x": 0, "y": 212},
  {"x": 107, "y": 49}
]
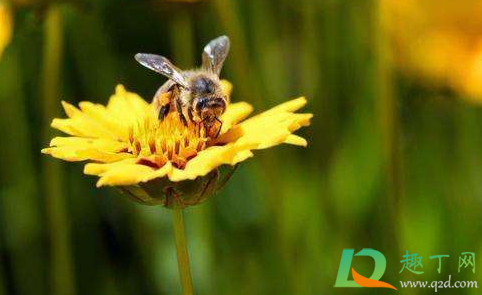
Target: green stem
[{"x": 182, "y": 253}]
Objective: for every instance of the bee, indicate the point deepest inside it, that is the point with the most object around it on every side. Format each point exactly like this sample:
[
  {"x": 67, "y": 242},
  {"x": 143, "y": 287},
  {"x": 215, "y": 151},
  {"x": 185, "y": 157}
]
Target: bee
[{"x": 195, "y": 94}]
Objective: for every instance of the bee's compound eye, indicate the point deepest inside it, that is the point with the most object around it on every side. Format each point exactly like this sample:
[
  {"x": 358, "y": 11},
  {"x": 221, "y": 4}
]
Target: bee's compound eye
[
  {"x": 201, "y": 103},
  {"x": 203, "y": 85},
  {"x": 210, "y": 103}
]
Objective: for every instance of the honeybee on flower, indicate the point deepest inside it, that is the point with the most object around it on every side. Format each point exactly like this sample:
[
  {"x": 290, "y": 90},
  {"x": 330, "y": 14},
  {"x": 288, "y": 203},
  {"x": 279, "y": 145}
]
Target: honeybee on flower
[
  {"x": 172, "y": 161},
  {"x": 195, "y": 94},
  {"x": 158, "y": 156}
]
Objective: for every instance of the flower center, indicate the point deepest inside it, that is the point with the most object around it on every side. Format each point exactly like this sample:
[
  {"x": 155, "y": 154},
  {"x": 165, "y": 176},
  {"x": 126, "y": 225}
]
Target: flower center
[{"x": 155, "y": 143}]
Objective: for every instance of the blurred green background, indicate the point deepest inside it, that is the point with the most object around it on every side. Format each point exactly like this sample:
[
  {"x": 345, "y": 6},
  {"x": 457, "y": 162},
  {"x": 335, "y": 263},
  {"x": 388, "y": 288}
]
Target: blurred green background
[{"x": 392, "y": 164}]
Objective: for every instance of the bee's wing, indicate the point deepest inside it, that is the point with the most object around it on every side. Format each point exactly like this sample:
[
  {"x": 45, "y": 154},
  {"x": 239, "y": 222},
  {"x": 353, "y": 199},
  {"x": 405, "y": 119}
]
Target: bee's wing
[
  {"x": 215, "y": 53},
  {"x": 163, "y": 66}
]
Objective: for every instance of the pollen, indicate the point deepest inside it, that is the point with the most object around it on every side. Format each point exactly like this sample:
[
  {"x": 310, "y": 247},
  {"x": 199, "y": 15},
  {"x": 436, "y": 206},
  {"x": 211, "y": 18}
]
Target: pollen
[{"x": 156, "y": 142}]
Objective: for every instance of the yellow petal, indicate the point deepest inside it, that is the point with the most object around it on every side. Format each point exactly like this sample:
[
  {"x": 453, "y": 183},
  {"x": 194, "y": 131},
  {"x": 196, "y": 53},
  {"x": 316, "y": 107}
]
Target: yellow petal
[
  {"x": 103, "y": 144},
  {"x": 70, "y": 110},
  {"x": 289, "y": 106},
  {"x": 98, "y": 169},
  {"x": 300, "y": 120},
  {"x": 263, "y": 120},
  {"x": 99, "y": 113},
  {"x": 227, "y": 87},
  {"x": 92, "y": 120},
  {"x": 127, "y": 107},
  {"x": 158, "y": 173},
  {"x": 296, "y": 140},
  {"x": 268, "y": 129},
  {"x": 235, "y": 113},
  {"x": 80, "y": 124},
  {"x": 73, "y": 154},
  {"x": 127, "y": 174},
  {"x": 211, "y": 158},
  {"x": 80, "y": 149},
  {"x": 240, "y": 156}
]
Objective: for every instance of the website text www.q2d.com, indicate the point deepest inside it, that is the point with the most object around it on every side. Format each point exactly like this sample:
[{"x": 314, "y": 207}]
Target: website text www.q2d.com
[
  {"x": 439, "y": 284},
  {"x": 411, "y": 263}
]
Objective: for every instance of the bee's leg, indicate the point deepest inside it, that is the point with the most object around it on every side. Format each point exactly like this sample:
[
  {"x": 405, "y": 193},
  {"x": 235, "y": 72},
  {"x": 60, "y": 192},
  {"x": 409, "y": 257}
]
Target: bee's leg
[
  {"x": 164, "y": 111},
  {"x": 203, "y": 121},
  {"x": 189, "y": 113},
  {"x": 179, "y": 110},
  {"x": 202, "y": 126},
  {"x": 220, "y": 126},
  {"x": 162, "y": 102}
]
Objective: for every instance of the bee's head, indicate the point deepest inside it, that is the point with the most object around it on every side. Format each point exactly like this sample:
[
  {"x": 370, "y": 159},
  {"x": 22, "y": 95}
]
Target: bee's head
[
  {"x": 208, "y": 101},
  {"x": 209, "y": 107}
]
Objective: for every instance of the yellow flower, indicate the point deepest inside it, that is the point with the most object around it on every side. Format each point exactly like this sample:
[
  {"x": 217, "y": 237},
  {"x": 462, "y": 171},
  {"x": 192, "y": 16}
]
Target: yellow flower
[
  {"x": 6, "y": 26},
  {"x": 166, "y": 162},
  {"x": 439, "y": 41}
]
